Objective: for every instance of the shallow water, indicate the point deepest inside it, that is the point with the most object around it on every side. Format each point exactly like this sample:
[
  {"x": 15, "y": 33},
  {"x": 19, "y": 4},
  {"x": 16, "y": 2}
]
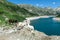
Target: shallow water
[{"x": 47, "y": 25}]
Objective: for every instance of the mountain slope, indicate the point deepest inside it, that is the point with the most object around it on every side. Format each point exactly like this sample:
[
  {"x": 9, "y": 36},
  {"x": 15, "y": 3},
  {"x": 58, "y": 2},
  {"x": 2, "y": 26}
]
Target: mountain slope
[
  {"x": 12, "y": 11},
  {"x": 38, "y": 10}
]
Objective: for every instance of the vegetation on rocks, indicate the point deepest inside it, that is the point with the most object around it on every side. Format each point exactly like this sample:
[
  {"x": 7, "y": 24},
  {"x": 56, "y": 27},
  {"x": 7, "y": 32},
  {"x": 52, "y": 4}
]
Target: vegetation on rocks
[
  {"x": 19, "y": 12},
  {"x": 12, "y": 11},
  {"x": 38, "y": 10}
]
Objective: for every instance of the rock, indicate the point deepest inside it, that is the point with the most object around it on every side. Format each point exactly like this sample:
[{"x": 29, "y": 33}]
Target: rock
[
  {"x": 54, "y": 37},
  {"x": 26, "y": 33},
  {"x": 23, "y": 34},
  {"x": 56, "y": 19}
]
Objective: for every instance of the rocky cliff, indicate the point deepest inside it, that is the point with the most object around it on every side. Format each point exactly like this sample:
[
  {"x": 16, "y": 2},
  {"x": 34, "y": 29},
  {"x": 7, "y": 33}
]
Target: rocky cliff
[{"x": 27, "y": 34}]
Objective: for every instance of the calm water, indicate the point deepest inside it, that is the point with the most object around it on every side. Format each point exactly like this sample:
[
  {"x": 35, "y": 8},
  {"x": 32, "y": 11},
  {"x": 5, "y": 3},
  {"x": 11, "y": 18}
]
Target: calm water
[{"x": 47, "y": 25}]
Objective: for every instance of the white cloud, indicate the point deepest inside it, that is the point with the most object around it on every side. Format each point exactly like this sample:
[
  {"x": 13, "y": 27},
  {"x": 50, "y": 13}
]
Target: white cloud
[
  {"x": 54, "y": 3},
  {"x": 37, "y": 4},
  {"x": 41, "y": 4}
]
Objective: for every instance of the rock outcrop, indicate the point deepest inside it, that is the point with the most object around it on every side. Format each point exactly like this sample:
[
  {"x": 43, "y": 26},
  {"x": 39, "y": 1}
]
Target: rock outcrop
[
  {"x": 56, "y": 19},
  {"x": 27, "y": 34}
]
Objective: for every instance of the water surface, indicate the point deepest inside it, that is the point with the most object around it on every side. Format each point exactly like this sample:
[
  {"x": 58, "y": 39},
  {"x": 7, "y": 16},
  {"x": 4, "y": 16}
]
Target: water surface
[{"x": 47, "y": 25}]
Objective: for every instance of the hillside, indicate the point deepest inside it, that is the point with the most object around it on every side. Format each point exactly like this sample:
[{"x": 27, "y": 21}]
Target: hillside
[
  {"x": 58, "y": 11},
  {"x": 38, "y": 10},
  {"x": 12, "y": 11}
]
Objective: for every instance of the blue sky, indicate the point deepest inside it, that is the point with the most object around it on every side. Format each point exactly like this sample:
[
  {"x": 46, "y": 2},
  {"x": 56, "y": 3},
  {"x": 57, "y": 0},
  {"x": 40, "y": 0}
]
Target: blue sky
[{"x": 40, "y": 3}]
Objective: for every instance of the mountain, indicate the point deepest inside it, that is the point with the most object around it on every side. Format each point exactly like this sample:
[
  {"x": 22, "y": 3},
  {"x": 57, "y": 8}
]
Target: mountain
[
  {"x": 38, "y": 10},
  {"x": 57, "y": 11},
  {"x": 12, "y": 11}
]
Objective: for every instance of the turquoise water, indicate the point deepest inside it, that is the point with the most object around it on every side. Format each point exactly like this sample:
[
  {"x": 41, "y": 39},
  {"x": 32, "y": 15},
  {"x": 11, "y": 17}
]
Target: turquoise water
[{"x": 47, "y": 25}]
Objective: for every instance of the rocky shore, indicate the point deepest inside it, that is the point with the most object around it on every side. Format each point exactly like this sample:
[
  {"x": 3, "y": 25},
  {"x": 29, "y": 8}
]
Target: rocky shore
[
  {"x": 33, "y": 18},
  {"x": 27, "y": 34},
  {"x": 25, "y": 31},
  {"x": 56, "y": 19}
]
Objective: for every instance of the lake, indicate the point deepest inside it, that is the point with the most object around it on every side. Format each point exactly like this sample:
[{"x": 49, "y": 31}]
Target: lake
[{"x": 47, "y": 25}]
